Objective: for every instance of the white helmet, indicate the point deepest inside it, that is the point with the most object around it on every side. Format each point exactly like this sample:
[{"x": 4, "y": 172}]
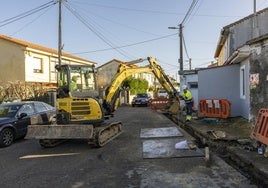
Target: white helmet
[{"x": 184, "y": 87}]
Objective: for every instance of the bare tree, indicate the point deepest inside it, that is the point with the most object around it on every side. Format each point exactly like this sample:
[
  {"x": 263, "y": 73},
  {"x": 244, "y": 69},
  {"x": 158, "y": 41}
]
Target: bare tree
[{"x": 21, "y": 90}]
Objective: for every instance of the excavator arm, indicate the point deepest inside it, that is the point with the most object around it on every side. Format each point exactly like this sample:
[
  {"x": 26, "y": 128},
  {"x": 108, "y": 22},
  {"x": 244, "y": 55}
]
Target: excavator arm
[
  {"x": 162, "y": 77},
  {"x": 111, "y": 101}
]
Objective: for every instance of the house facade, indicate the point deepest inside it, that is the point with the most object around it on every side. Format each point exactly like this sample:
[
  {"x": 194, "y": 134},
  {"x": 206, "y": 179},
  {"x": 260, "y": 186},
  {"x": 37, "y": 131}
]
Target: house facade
[
  {"x": 242, "y": 56},
  {"x": 235, "y": 35},
  {"x": 31, "y": 63}
]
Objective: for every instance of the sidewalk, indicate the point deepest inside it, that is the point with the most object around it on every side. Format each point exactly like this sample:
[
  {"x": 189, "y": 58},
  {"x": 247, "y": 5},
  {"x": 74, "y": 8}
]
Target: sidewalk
[{"x": 231, "y": 139}]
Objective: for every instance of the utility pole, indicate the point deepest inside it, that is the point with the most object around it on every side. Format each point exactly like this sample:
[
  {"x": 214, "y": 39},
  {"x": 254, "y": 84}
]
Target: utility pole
[
  {"x": 193, "y": 4},
  {"x": 255, "y": 22},
  {"x": 59, "y": 35},
  {"x": 181, "y": 45},
  {"x": 181, "y": 48}
]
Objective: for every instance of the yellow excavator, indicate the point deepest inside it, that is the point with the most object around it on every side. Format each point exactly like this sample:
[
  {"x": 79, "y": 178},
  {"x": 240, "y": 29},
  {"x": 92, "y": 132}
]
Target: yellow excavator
[{"x": 81, "y": 113}]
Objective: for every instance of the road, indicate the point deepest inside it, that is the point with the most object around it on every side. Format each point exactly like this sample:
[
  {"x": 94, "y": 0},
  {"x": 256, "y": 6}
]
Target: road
[{"x": 120, "y": 163}]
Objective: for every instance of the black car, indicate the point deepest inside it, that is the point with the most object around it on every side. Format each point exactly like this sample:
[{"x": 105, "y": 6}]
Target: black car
[
  {"x": 142, "y": 99},
  {"x": 16, "y": 116}
]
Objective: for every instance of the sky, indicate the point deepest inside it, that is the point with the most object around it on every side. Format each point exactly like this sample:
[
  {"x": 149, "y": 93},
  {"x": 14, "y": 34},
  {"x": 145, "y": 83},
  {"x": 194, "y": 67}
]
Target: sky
[{"x": 127, "y": 29}]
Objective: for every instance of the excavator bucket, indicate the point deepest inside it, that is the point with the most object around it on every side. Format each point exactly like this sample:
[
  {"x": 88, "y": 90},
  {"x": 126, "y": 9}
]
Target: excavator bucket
[
  {"x": 174, "y": 108},
  {"x": 54, "y": 131}
]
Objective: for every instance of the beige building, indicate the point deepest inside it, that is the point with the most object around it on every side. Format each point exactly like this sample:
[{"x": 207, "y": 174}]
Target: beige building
[
  {"x": 107, "y": 71},
  {"x": 31, "y": 63}
]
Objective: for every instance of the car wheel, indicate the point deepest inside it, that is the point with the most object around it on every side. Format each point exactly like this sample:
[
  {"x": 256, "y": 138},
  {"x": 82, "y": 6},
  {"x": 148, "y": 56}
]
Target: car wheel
[{"x": 6, "y": 137}]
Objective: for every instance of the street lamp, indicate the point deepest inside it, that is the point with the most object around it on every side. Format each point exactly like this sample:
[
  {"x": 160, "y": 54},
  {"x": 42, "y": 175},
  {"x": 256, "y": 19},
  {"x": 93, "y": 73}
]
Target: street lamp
[{"x": 181, "y": 48}]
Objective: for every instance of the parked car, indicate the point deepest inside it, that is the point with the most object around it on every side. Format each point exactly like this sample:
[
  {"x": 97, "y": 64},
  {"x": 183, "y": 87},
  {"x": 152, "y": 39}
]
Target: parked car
[
  {"x": 16, "y": 116},
  {"x": 141, "y": 99},
  {"x": 162, "y": 93}
]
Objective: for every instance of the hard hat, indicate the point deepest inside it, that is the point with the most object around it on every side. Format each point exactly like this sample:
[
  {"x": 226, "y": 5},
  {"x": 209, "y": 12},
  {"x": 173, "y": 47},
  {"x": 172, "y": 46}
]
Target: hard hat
[{"x": 184, "y": 87}]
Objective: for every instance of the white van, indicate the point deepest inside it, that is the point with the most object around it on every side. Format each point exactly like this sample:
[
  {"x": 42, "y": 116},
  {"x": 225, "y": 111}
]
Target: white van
[{"x": 162, "y": 93}]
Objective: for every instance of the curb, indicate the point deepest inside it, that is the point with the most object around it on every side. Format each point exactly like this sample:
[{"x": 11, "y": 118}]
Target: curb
[{"x": 249, "y": 163}]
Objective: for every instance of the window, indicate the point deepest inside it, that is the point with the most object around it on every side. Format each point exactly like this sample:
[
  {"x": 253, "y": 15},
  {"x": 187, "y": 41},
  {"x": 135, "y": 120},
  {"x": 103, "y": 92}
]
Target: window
[
  {"x": 37, "y": 65},
  {"x": 53, "y": 73},
  {"x": 27, "y": 108},
  {"x": 193, "y": 85},
  {"x": 40, "y": 107}
]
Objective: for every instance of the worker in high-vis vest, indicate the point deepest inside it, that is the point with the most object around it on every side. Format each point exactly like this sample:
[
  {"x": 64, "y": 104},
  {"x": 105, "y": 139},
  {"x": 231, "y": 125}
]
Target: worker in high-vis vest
[
  {"x": 73, "y": 86},
  {"x": 188, "y": 98}
]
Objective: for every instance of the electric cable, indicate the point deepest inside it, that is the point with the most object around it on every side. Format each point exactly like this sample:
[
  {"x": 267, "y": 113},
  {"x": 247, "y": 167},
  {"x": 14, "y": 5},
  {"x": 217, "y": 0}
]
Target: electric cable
[
  {"x": 91, "y": 28},
  {"x": 128, "y": 45},
  {"x": 25, "y": 14},
  {"x": 153, "y": 11},
  {"x": 30, "y": 22},
  {"x": 192, "y": 6},
  {"x": 129, "y": 9},
  {"x": 115, "y": 22}
]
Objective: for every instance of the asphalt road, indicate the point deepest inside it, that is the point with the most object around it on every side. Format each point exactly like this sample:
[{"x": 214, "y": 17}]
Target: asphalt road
[{"x": 118, "y": 164}]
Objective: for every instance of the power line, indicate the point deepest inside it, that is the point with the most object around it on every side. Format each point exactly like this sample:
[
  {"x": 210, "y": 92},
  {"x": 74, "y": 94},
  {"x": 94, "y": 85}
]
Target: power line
[
  {"x": 25, "y": 14},
  {"x": 185, "y": 49},
  {"x": 20, "y": 29},
  {"x": 155, "y": 11},
  {"x": 182, "y": 41},
  {"x": 124, "y": 46},
  {"x": 115, "y": 22},
  {"x": 193, "y": 4},
  {"x": 131, "y": 9},
  {"x": 91, "y": 28}
]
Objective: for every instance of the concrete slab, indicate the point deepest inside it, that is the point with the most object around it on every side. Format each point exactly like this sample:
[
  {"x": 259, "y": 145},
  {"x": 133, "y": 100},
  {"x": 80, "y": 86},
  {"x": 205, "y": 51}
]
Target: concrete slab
[
  {"x": 160, "y": 132},
  {"x": 165, "y": 148}
]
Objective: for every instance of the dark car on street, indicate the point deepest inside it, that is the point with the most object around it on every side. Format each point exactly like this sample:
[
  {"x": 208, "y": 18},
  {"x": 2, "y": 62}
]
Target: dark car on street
[
  {"x": 141, "y": 99},
  {"x": 16, "y": 116}
]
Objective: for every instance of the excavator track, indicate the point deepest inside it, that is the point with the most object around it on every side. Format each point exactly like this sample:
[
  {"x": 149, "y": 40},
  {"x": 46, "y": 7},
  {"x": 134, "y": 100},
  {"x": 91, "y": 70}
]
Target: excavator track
[
  {"x": 52, "y": 135},
  {"x": 106, "y": 133}
]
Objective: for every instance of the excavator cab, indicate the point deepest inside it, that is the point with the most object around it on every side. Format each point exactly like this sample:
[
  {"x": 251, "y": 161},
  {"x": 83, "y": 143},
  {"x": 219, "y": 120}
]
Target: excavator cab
[
  {"x": 76, "y": 81},
  {"x": 77, "y": 95}
]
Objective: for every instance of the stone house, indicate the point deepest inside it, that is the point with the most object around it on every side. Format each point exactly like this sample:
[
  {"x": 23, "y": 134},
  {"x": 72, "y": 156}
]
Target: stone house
[{"x": 242, "y": 74}]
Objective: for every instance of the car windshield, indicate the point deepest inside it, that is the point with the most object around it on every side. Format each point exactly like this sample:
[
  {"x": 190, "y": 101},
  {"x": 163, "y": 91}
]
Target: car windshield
[
  {"x": 9, "y": 110},
  {"x": 142, "y": 95}
]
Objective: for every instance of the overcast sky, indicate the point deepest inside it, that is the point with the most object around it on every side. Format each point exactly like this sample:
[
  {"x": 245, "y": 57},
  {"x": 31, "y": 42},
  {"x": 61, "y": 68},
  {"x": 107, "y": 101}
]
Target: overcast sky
[{"x": 126, "y": 29}]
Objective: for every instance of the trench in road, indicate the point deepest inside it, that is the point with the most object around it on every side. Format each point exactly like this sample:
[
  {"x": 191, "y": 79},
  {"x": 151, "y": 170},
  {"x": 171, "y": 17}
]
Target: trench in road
[{"x": 220, "y": 148}]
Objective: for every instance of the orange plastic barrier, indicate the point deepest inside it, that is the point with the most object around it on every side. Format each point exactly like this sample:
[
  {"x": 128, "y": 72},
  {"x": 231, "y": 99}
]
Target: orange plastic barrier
[
  {"x": 215, "y": 108},
  {"x": 260, "y": 130},
  {"x": 158, "y": 103}
]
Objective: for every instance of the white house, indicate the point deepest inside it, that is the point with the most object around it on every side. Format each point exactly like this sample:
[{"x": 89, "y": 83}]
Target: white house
[{"x": 31, "y": 63}]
